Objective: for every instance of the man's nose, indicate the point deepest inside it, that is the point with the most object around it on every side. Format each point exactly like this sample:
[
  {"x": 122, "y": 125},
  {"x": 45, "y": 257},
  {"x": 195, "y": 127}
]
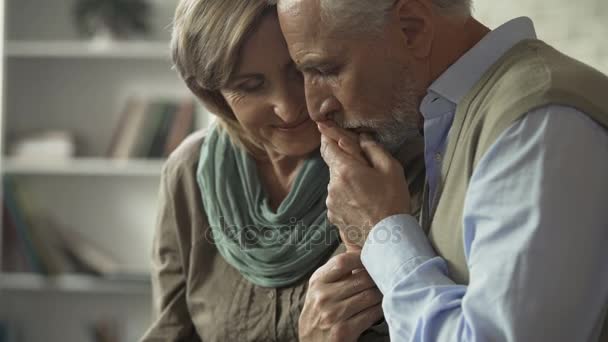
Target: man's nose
[{"x": 320, "y": 102}]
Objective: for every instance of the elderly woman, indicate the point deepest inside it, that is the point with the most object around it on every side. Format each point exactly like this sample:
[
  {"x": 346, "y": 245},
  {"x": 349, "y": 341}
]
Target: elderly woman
[{"x": 242, "y": 221}]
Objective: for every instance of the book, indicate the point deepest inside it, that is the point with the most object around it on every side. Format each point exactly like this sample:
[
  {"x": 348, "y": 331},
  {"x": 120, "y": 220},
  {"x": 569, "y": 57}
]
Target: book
[
  {"x": 152, "y": 122},
  {"x": 88, "y": 256},
  {"x": 13, "y": 249},
  {"x": 8, "y": 332},
  {"x": 183, "y": 124},
  {"x": 35, "y": 237},
  {"x": 40, "y": 244},
  {"x": 50, "y": 246},
  {"x": 160, "y": 135},
  {"x": 123, "y": 119},
  {"x": 17, "y": 216},
  {"x": 124, "y": 142},
  {"x": 105, "y": 330},
  {"x": 151, "y": 127},
  {"x": 44, "y": 237}
]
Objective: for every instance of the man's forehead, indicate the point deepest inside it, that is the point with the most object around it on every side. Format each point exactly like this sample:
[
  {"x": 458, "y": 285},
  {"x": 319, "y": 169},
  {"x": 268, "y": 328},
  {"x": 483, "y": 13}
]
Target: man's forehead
[
  {"x": 298, "y": 6},
  {"x": 305, "y": 31},
  {"x": 300, "y": 16}
]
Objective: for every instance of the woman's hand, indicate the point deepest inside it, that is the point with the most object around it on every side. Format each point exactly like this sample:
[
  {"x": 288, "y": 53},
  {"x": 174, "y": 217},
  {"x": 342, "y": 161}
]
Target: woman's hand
[{"x": 341, "y": 303}]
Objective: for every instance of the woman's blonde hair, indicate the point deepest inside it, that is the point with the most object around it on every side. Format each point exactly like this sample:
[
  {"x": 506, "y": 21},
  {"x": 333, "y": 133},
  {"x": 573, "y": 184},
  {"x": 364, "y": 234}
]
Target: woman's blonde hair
[{"x": 206, "y": 43}]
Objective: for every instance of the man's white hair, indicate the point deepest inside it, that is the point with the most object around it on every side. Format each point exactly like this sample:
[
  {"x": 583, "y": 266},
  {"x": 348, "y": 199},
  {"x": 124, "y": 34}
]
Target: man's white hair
[{"x": 358, "y": 16}]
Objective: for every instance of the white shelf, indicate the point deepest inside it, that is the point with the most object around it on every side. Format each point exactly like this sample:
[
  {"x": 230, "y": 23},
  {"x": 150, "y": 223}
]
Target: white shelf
[
  {"x": 72, "y": 283},
  {"x": 85, "y": 49},
  {"x": 83, "y": 167}
]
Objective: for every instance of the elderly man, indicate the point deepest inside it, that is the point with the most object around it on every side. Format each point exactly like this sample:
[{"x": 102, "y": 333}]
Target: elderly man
[{"x": 511, "y": 244}]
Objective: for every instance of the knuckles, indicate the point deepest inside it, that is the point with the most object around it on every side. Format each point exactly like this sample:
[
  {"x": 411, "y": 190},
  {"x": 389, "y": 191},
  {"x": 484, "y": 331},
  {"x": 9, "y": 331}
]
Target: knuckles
[
  {"x": 320, "y": 301},
  {"x": 331, "y": 217},
  {"x": 342, "y": 262},
  {"x": 343, "y": 172},
  {"x": 327, "y": 319}
]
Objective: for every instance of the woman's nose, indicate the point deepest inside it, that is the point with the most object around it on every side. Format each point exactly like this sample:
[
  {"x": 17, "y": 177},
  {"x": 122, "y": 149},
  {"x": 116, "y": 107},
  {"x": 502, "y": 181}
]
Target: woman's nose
[{"x": 288, "y": 108}]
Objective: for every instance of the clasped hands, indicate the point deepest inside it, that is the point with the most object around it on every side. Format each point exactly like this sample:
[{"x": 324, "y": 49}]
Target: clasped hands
[{"x": 366, "y": 185}]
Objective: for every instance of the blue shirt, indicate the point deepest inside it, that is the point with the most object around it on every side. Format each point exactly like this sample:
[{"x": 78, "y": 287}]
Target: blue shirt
[{"x": 535, "y": 226}]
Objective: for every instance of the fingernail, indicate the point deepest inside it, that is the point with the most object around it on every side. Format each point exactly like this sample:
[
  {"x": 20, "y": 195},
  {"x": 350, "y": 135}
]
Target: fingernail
[
  {"x": 321, "y": 125},
  {"x": 325, "y": 124}
]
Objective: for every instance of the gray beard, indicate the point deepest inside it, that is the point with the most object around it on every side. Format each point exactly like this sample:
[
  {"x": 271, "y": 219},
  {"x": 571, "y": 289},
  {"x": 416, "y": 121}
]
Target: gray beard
[{"x": 402, "y": 123}]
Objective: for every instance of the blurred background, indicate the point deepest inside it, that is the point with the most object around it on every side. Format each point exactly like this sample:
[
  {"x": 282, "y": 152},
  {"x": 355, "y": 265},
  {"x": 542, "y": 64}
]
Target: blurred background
[{"x": 90, "y": 109}]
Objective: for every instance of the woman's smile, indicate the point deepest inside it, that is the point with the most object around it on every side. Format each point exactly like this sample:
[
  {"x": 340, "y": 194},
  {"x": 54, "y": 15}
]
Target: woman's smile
[{"x": 294, "y": 126}]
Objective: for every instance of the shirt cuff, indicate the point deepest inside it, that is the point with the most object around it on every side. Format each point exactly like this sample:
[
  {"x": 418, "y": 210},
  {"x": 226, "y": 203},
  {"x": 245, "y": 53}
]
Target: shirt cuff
[{"x": 394, "y": 248}]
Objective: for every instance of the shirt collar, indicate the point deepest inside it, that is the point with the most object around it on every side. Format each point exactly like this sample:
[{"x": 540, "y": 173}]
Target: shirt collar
[{"x": 461, "y": 76}]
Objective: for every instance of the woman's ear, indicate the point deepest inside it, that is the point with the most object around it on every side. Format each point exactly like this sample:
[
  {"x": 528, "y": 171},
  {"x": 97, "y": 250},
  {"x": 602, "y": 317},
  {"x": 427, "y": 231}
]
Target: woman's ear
[{"x": 416, "y": 19}]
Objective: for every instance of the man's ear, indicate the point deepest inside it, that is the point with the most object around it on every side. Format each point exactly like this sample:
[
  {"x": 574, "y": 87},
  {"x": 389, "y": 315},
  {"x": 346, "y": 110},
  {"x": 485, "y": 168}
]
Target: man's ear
[{"x": 416, "y": 23}]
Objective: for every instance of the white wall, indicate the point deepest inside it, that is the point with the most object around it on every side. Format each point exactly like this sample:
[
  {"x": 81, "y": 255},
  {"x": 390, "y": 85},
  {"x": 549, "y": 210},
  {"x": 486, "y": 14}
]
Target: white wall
[{"x": 578, "y": 28}]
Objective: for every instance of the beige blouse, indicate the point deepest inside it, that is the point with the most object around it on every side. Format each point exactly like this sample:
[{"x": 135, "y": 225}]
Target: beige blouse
[{"x": 197, "y": 295}]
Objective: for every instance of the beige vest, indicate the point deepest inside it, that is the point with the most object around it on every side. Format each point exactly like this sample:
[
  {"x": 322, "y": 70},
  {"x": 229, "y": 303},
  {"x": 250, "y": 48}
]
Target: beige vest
[{"x": 530, "y": 75}]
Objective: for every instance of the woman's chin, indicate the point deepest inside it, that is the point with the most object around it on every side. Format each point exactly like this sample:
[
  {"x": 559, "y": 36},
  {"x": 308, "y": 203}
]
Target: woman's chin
[
  {"x": 297, "y": 149},
  {"x": 300, "y": 142}
]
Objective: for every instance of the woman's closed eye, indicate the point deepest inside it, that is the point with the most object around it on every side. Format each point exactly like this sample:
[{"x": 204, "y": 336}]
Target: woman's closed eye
[{"x": 250, "y": 85}]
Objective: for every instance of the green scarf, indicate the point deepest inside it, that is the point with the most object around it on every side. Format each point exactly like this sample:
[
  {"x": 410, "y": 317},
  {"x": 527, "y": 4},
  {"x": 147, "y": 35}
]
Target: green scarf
[{"x": 270, "y": 249}]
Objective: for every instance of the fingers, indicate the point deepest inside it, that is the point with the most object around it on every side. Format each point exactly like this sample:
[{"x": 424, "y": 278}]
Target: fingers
[
  {"x": 346, "y": 140},
  {"x": 331, "y": 152},
  {"x": 342, "y": 301},
  {"x": 360, "y": 302},
  {"x": 375, "y": 153},
  {"x": 352, "y": 328},
  {"x": 353, "y": 148},
  {"x": 350, "y": 286},
  {"x": 336, "y": 133},
  {"x": 338, "y": 267},
  {"x": 345, "y": 310},
  {"x": 364, "y": 319}
]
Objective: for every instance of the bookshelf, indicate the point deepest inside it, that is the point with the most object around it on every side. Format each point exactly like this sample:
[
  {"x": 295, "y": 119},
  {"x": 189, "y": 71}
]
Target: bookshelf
[
  {"x": 78, "y": 49},
  {"x": 84, "y": 167},
  {"x": 75, "y": 284},
  {"x": 51, "y": 79}
]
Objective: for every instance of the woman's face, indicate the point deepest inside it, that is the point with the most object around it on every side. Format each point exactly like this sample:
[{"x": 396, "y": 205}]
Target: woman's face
[{"x": 266, "y": 94}]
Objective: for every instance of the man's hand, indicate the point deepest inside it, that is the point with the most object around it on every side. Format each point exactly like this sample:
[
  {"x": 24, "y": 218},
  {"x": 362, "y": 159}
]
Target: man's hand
[
  {"x": 342, "y": 302},
  {"x": 363, "y": 189}
]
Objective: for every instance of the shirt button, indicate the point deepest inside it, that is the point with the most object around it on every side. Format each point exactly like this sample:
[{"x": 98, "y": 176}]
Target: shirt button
[{"x": 438, "y": 157}]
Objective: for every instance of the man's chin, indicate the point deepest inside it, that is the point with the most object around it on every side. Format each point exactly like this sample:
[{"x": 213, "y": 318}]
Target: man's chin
[
  {"x": 392, "y": 147},
  {"x": 363, "y": 130},
  {"x": 394, "y": 143}
]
